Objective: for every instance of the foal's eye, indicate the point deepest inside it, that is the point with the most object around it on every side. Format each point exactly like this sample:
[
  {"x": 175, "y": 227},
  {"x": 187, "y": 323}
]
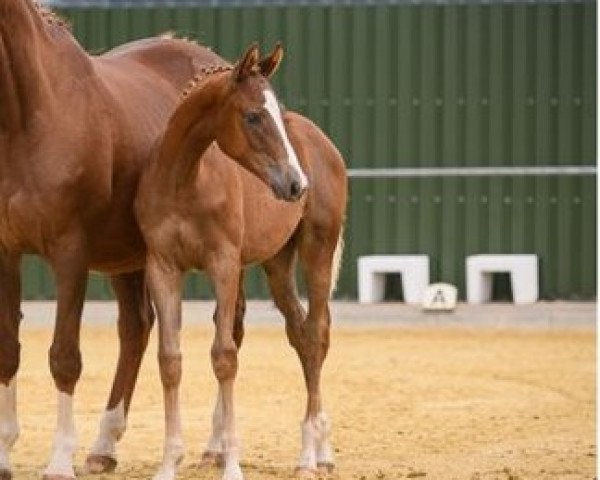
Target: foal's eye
[{"x": 252, "y": 118}]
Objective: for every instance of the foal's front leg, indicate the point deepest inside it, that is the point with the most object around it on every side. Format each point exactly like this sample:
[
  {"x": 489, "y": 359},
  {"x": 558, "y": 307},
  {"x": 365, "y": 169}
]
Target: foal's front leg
[
  {"x": 165, "y": 283},
  {"x": 224, "y": 350},
  {"x": 213, "y": 454}
]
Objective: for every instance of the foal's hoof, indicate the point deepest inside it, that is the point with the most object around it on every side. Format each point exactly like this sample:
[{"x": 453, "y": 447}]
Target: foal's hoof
[
  {"x": 5, "y": 474},
  {"x": 325, "y": 468},
  {"x": 303, "y": 472},
  {"x": 95, "y": 463},
  {"x": 210, "y": 459},
  {"x": 52, "y": 476}
]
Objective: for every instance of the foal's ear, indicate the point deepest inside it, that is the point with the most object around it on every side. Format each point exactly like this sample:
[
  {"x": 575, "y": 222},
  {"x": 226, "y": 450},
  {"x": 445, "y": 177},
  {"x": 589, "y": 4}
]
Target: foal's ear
[
  {"x": 268, "y": 65},
  {"x": 247, "y": 64}
]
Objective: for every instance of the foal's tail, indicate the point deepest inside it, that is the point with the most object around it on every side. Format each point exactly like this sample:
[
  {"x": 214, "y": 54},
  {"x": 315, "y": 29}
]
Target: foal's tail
[{"x": 336, "y": 263}]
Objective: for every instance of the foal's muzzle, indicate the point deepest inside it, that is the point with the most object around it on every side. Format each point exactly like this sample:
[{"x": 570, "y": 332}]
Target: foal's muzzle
[{"x": 286, "y": 184}]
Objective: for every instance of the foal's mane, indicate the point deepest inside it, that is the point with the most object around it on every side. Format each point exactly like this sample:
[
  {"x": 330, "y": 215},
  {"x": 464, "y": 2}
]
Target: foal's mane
[{"x": 204, "y": 72}]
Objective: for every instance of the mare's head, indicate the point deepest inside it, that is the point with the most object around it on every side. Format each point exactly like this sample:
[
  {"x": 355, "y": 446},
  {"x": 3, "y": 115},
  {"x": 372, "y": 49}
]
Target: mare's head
[{"x": 251, "y": 128}]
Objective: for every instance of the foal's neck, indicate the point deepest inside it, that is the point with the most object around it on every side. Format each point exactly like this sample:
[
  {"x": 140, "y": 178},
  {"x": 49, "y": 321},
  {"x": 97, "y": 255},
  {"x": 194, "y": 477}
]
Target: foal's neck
[
  {"x": 24, "y": 41},
  {"x": 190, "y": 131}
]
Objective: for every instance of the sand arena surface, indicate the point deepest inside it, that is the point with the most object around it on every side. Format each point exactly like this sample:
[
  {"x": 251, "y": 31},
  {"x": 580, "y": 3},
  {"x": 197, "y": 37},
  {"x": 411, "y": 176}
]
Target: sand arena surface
[{"x": 440, "y": 403}]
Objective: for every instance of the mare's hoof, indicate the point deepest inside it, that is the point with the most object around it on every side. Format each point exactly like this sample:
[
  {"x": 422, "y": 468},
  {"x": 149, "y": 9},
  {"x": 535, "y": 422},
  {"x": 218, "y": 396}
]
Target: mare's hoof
[
  {"x": 210, "y": 459},
  {"x": 100, "y": 464},
  {"x": 325, "y": 467},
  {"x": 50, "y": 476},
  {"x": 303, "y": 472},
  {"x": 5, "y": 474}
]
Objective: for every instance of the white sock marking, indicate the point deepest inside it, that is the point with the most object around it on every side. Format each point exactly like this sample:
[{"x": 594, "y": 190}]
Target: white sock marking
[
  {"x": 231, "y": 447},
  {"x": 324, "y": 450},
  {"x": 173, "y": 447},
  {"x": 221, "y": 442},
  {"x": 215, "y": 442},
  {"x": 9, "y": 426},
  {"x": 315, "y": 442},
  {"x": 112, "y": 427},
  {"x": 308, "y": 454},
  {"x": 65, "y": 439},
  {"x": 172, "y": 455},
  {"x": 233, "y": 471},
  {"x": 272, "y": 106}
]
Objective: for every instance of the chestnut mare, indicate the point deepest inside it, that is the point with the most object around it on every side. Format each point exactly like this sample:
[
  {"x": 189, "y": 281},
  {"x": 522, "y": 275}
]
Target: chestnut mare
[
  {"x": 75, "y": 132},
  {"x": 199, "y": 209}
]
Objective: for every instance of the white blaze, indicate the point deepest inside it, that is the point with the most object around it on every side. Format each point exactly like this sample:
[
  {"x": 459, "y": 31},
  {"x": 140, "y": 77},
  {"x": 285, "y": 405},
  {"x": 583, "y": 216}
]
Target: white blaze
[{"x": 272, "y": 106}]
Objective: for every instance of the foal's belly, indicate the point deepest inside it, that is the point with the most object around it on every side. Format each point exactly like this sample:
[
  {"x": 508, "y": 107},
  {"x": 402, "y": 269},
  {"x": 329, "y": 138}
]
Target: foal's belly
[{"x": 268, "y": 222}]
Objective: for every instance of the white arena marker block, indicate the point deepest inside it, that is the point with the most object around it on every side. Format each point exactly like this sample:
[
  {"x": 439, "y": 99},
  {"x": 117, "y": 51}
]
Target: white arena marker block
[
  {"x": 523, "y": 271},
  {"x": 440, "y": 297},
  {"x": 373, "y": 268}
]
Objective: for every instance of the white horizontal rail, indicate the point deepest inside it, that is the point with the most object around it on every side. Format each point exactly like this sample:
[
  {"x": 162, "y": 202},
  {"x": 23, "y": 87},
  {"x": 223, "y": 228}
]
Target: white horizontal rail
[{"x": 471, "y": 171}]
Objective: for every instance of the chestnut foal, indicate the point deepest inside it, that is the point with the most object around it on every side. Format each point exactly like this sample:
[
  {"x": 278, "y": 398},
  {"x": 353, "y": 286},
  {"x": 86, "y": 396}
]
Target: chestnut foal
[{"x": 199, "y": 209}]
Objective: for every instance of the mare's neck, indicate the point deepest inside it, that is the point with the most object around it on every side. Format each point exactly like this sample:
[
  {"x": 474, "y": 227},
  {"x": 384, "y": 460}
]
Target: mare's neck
[
  {"x": 190, "y": 131},
  {"x": 23, "y": 38}
]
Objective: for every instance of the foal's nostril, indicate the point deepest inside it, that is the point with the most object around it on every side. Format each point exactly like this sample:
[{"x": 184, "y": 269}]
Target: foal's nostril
[{"x": 295, "y": 188}]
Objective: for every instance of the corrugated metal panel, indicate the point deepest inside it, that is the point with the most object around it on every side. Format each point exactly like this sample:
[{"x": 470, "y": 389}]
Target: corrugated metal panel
[
  {"x": 425, "y": 85},
  {"x": 271, "y": 3}
]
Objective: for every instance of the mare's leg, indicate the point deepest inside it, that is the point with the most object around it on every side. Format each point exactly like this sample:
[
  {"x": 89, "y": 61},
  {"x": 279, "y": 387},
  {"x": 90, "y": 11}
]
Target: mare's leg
[
  {"x": 225, "y": 277},
  {"x": 70, "y": 268},
  {"x": 10, "y": 317},
  {"x": 165, "y": 283},
  {"x": 213, "y": 454},
  {"x": 308, "y": 334},
  {"x": 135, "y": 321}
]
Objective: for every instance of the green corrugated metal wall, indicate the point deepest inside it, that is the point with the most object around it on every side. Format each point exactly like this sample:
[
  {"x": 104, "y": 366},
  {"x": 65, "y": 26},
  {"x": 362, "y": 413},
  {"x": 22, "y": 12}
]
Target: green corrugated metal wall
[{"x": 445, "y": 85}]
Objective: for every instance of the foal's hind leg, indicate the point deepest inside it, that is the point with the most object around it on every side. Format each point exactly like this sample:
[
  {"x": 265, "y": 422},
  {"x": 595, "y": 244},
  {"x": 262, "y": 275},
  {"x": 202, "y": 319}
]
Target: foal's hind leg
[
  {"x": 135, "y": 321},
  {"x": 10, "y": 317},
  {"x": 308, "y": 334},
  {"x": 213, "y": 454}
]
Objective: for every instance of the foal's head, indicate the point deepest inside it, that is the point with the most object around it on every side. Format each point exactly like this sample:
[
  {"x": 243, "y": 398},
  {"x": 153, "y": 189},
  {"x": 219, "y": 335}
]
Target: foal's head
[{"x": 251, "y": 128}]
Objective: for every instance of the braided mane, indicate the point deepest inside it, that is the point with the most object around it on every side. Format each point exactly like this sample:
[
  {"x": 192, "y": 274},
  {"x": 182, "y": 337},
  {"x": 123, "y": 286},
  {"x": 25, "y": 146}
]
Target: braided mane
[
  {"x": 51, "y": 17},
  {"x": 201, "y": 75}
]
